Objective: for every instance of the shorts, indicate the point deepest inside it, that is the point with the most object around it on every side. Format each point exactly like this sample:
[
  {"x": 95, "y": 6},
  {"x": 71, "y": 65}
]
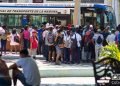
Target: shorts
[{"x": 51, "y": 48}]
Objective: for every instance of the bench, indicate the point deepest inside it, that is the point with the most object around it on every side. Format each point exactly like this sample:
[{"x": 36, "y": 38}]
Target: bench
[{"x": 104, "y": 70}]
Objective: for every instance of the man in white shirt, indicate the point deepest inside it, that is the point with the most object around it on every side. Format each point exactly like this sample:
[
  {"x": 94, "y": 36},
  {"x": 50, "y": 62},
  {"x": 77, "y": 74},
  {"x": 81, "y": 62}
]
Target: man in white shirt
[
  {"x": 75, "y": 54},
  {"x": 30, "y": 75},
  {"x": 98, "y": 44},
  {"x": 111, "y": 38}
]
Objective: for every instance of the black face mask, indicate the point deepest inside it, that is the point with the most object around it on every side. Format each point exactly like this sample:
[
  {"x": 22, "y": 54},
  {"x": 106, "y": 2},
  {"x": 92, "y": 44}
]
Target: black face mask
[{"x": 68, "y": 32}]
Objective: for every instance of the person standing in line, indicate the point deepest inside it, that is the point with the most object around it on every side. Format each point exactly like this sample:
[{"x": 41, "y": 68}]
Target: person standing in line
[
  {"x": 111, "y": 37},
  {"x": 33, "y": 44},
  {"x": 45, "y": 42},
  {"x": 51, "y": 47},
  {"x": 75, "y": 52},
  {"x": 59, "y": 44},
  {"x": 67, "y": 45},
  {"x": 13, "y": 43},
  {"x": 3, "y": 42},
  {"x": 26, "y": 38},
  {"x": 98, "y": 39},
  {"x": 40, "y": 40},
  {"x": 30, "y": 75},
  {"x": 21, "y": 39}
]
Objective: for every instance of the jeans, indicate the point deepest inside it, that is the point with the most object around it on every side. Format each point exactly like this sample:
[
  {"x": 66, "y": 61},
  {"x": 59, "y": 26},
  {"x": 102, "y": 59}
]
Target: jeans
[
  {"x": 76, "y": 56},
  {"x": 21, "y": 77},
  {"x": 3, "y": 45},
  {"x": 26, "y": 43},
  {"x": 66, "y": 54},
  {"x": 45, "y": 51},
  {"x": 40, "y": 47}
]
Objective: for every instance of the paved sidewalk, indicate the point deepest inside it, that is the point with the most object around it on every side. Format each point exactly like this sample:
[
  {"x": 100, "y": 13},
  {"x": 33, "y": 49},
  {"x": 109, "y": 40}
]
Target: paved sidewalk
[
  {"x": 48, "y": 69},
  {"x": 59, "y": 75},
  {"x": 66, "y": 81}
]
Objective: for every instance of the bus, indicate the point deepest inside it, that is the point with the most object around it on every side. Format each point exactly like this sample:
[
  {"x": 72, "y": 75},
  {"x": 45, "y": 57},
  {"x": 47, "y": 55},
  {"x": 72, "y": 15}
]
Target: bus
[{"x": 17, "y": 15}]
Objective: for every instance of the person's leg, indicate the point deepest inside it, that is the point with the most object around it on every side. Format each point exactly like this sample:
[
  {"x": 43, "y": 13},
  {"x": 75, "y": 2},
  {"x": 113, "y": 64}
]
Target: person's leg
[
  {"x": 65, "y": 55},
  {"x": 46, "y": 52},
  {"x": 40, "y": 47},
  {"x": 15, "y": 48},
  {"x": 50, "y": 52},
  {"x": 17, "y": 74},
  {"x": 5, "y": 42},
  {"x": 34, "y": 53},
  {"x": 11, "y": 48},
  {"x": 79, "y": 55},
  {"x": 53, "y": 53},
  {"x": 96, "y": 52},
  {"x": 2, "y": 45}
]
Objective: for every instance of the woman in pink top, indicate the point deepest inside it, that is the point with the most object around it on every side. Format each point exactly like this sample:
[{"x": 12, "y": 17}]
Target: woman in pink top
[{"x": 26, "y": 38}]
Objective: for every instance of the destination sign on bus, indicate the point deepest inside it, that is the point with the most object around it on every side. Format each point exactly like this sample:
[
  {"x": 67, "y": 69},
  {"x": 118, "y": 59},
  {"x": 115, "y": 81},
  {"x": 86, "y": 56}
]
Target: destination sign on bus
[{"x": 35, "y": 11}]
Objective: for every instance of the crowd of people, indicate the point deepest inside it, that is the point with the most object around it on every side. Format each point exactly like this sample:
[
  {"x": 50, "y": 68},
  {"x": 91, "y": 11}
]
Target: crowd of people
[{"x": 61, "y": 44}]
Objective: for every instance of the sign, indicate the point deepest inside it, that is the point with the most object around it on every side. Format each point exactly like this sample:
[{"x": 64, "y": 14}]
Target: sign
[
  {"x": 35, "y": 11},
  {"x": 82, "y": 1},
  {"x": 37, "y": 1}
]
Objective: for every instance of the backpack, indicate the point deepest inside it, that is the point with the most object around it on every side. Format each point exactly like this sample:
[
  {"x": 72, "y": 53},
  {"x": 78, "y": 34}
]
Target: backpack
[
  {"x": 16, "y": 38},
  {"x": 74, "y": 43},
  {"x": 99, "y": 40},
  {"x": 50, "y": 38}
]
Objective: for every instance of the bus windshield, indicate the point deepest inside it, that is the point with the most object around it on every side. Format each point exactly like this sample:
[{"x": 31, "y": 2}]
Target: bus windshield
[{"x": 98, "y": 15}]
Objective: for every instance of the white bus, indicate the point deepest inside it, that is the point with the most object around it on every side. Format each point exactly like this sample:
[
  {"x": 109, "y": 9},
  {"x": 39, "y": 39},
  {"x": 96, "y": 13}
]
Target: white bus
[{"x": 21, "y": 14}]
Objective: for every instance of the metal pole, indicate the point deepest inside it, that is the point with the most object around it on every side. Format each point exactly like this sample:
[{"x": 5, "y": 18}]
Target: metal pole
[{"x": 77, "y": 13}]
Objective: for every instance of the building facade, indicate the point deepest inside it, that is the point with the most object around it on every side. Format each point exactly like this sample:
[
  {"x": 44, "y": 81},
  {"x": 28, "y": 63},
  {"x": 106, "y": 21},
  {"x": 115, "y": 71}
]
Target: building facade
[{"x": 116, "y": 7}]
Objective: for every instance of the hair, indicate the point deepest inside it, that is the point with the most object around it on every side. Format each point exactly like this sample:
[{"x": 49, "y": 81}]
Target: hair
[
  {"x": 24, "y": 52},
  {"x": 0, "y": 56},
  {"x": 26, "y": 27},
  {"x": 13, "y": 31}
]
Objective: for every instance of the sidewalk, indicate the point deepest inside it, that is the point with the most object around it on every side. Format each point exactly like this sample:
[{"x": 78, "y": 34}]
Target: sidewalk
[
  {"x": 64, "y": 70},
  {"x": 48, "y": 69},
  {"x": 59, "y": 75}
]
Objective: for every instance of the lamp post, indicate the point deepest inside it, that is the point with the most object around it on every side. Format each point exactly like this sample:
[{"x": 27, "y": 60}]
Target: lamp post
[{"x": 77, "y": 13}]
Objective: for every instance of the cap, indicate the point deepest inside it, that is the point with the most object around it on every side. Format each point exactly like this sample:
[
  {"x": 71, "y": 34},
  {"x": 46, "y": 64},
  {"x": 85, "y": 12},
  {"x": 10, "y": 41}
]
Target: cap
[{"x": 51, "y": 25}]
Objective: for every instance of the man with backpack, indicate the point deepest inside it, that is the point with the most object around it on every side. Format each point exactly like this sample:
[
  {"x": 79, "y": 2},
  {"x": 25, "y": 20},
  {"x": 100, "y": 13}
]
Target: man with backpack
[
  {"x": 75, "y": 47},
  {"x": 98, "y": 39},
  {"x": 51, "y": 47}
]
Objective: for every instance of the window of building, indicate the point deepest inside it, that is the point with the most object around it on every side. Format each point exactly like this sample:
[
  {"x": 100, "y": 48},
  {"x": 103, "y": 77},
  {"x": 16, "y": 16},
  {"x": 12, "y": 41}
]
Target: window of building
[
  {"x": 83, "y": 1},
  {"x": 37, "y": 1},
  {"x": 12, "y": 1},
  {"x": 59, "y": 0}
]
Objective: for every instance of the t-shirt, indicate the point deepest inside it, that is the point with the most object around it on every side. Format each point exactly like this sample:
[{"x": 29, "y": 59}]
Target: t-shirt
[
  {"x": 26, "y": 34},
  {"x": 30, "y": 70},
  {"x": 34, "y": 42}
]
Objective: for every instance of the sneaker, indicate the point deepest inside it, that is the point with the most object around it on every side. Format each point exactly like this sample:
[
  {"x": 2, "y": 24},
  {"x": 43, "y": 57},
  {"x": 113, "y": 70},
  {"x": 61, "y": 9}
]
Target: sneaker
[
  {"x": 34, "y": 57},
  {"x": 57, "y": 63}
]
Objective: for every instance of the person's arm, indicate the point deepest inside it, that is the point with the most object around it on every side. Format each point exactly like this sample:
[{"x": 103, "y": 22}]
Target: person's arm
[{"x": 13, "y": 66}]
